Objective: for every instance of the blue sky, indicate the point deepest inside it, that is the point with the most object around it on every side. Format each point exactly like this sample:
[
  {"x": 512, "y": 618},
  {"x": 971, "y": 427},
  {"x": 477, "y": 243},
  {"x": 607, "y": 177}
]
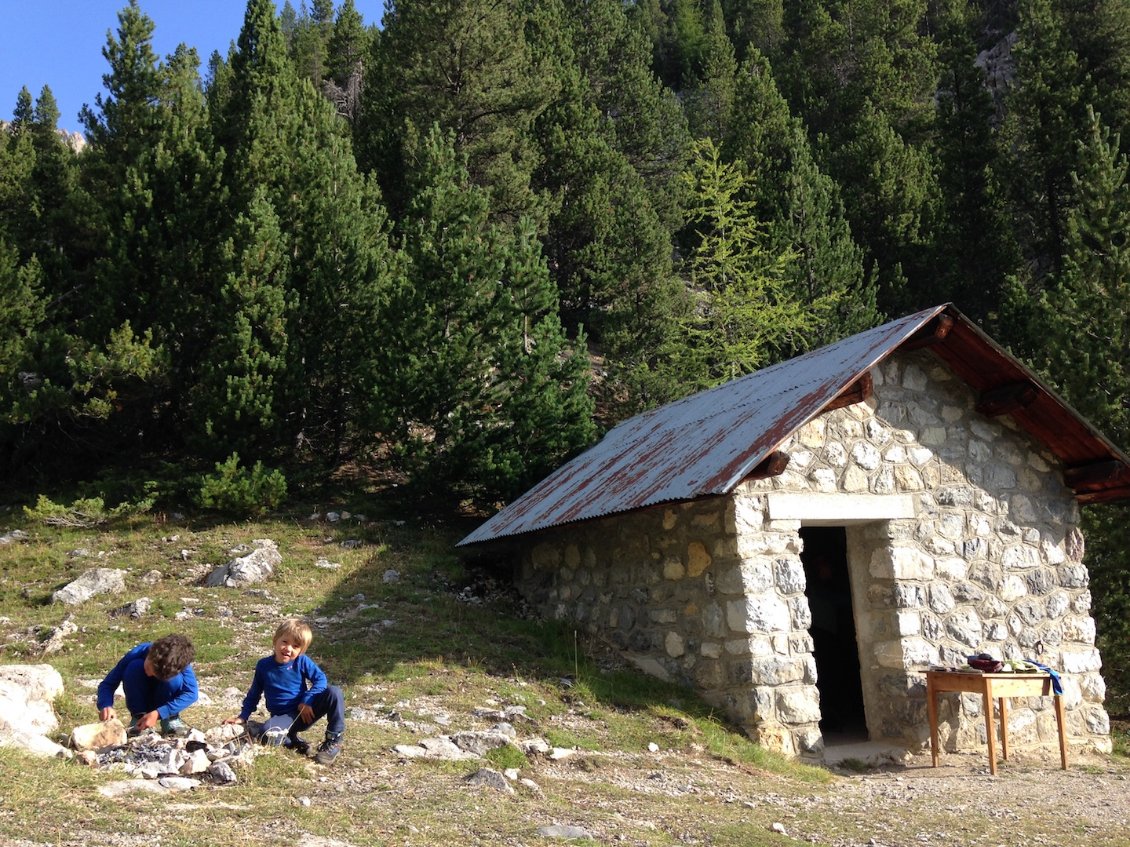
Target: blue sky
[{"x": 59, "y": 42}]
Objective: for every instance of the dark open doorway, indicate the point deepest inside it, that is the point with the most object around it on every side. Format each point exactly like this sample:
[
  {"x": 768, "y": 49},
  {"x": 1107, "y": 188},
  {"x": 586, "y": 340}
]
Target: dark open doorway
[{"x": 833, "y": 631}]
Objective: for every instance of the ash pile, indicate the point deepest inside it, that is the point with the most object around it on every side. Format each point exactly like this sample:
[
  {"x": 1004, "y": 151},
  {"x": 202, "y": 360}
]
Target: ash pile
[{"x": 212, "y": 756}]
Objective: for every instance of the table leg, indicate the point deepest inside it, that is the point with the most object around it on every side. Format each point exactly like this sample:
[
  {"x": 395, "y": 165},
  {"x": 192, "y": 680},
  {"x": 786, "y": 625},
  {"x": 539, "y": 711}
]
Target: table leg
[
  {"x": 987, "y": 698},
  {"x": 1004, "y": 726},
  {"x": 1059, "y": 724},
  {"x": 932, "y": 713}
]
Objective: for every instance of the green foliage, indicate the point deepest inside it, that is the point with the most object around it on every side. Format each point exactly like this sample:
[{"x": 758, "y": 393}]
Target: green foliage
[
  {"x": 242, "y": 491},
  {"x": 479, "y": 377},
  {"x": 800, "y": 204},
  {"x": 745, "y": 313},
  {"x": 507, "y": 756},
  {"x": 467, "y": 67},
  {"x": 83, "y": 513},
  {"x": 216, "y": 274},
  {"x": 973, "y": 241}
]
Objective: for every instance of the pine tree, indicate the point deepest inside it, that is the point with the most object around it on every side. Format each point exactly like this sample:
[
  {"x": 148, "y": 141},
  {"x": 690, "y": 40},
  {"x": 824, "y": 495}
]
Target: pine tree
[
  {"x": 841, "y": 54},
  {"x": 1084, "y": 348},
  {"x": 1099, "y": 32},
  {"x": 348, "y": 44},
  {"x": 1045, "y": 119},
  {"x": 124, "y": 130},
  {"x": 465, "y": 65},
  {"x": 347, "y": 49},
  {"x": 861, "y": 76},
  {"x": 1086, "y": 335},
  {"x": 234, "y": 400},
  {"x": 974, "y": 245},
  {"x": 801, "y": 205},
  {"x": 891, "y": 206},
  {"x": 291, "y": 155},
  {"x": 309, "y": 41},
  {"x": 649, "y": 123},
  {"x": 18, "y": 206},
  {"x": 22, "y": 310},
  {"x": 472, "y": 338},
  {"x": 757, "y": 24},
  {"x": 710, "y": 98},
  {"x": 53, "y": 222},
  {"x": 340, "y": 268}
]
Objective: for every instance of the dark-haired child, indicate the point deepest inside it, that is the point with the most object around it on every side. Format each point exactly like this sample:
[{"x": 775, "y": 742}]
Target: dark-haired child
[{"x": 158, "y": 681}]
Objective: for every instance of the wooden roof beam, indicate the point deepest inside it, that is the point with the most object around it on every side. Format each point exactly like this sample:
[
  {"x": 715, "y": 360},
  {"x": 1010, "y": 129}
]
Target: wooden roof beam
[
  {"x": 857, "y": 392},
  {"x": 1006, "y": 398},
  {"x": 1098, "y": 476},
  {"x": 1103, "y": 495},
  {"x": 936, "y": 330},
  {"x": 772, "y": 465}
]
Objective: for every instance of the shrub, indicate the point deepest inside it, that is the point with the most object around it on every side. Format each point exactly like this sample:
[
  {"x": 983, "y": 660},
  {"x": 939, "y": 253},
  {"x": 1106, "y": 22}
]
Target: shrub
[
  {"x": 88, "y": 512},
  {"x": 242, "y": 491}
]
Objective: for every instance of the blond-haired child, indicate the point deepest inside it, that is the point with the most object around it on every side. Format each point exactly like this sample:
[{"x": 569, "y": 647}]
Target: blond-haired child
[{"x": 297, "y": 693}]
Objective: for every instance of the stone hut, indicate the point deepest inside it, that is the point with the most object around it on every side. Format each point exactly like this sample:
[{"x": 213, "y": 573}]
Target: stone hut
[{"x": 801, "y": 544}]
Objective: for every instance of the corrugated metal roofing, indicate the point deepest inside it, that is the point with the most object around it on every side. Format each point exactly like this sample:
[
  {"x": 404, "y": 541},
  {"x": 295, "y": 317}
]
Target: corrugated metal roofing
[{"x": 707, "y": 443}]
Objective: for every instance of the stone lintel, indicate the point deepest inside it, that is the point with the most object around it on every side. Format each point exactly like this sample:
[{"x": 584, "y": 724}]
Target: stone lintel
[{"x": 839, "y": 509}]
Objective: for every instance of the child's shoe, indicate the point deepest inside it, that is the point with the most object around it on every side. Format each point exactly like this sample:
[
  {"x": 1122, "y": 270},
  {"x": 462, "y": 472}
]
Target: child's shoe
[
  {"x": 174, "y": 727},
  {"x": 302, "y": 748},
  {"x": 329, "y": 749}
]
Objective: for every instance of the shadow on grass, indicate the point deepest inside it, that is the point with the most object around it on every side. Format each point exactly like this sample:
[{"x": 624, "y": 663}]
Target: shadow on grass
[{"x": 435, "y": 613}]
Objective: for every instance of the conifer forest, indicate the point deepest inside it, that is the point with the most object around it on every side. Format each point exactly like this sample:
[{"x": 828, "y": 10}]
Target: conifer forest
[{"x": 453, "y": 246}]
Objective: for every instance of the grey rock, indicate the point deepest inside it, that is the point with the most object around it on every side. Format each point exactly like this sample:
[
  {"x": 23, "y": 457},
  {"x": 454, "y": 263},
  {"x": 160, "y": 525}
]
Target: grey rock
[
  {"x": 55, "y": 636},
  {"x": 130, "y": 786},
  {"x": 27, "y": 694},
  {"x": 95, "y": 736},
  {"x": 13, "y": 536},
  {"x": 136, "y": 610},
  {"x": 254, "y": 567},
  {"x": 92, "y": 583},
  {"x": 487, "y": 778},
  {"x": 480, "y": 743},
  {"x": 178, "y": 783},
  {"x": 222, "y": 772},
  {"x": 435, "y": 748}
]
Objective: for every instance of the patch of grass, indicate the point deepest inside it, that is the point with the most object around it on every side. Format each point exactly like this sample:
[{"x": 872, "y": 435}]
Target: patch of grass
[
  {"x": 1120, "y": 737},
  {"x": 507, "y": 756}
]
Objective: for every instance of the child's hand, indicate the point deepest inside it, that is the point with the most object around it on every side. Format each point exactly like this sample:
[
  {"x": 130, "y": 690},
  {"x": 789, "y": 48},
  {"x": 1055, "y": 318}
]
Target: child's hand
[
  {"x": 147, "y": 721},
  {"x": 233, "y": 719},
  {"x": 306, "y": 713},
  {"x": 107, "y": 714}
]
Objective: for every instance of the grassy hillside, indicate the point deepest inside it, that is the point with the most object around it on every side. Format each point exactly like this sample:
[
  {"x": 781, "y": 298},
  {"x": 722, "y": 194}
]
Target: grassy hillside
[
  {"x": 418, "y": 644},
  {"x": 416, "y": 651}
]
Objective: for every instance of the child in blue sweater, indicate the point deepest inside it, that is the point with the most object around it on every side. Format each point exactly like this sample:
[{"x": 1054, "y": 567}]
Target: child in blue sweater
[
  {"x": 158, "y": 681},
  {"x": 297, "y": 693}
]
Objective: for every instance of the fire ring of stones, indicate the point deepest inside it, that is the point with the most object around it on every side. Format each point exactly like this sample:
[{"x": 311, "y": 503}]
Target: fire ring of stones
[{"x": 177, "y": 763}]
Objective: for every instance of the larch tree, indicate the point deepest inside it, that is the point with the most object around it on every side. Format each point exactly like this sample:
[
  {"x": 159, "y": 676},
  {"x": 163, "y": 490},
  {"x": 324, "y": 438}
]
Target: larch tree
[{"x": 746, "y": 315}]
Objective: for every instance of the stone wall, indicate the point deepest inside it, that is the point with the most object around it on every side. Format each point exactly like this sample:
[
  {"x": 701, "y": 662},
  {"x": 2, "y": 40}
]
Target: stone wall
[{"x": 961, "y": 538}]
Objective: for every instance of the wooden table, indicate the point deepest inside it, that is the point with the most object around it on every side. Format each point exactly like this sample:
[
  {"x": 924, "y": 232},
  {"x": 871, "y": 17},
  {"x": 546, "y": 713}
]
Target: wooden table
[{"x": 990, "y": 686}]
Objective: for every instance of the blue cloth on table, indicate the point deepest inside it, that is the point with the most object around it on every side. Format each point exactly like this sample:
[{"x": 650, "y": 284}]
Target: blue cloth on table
[{"x": 1057, "y": 683}]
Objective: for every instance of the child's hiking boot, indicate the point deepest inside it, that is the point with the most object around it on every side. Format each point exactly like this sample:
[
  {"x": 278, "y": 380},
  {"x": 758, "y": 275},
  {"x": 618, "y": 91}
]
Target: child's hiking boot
[
  {"x": 174, "y": 727},
  {"x": 329, "y": 749},
  {"x": 298, "y": 745}
]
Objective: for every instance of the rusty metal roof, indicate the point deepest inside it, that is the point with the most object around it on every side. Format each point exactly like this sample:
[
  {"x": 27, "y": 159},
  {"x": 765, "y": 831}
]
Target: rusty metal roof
[{"x": 709, "y": 442}]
